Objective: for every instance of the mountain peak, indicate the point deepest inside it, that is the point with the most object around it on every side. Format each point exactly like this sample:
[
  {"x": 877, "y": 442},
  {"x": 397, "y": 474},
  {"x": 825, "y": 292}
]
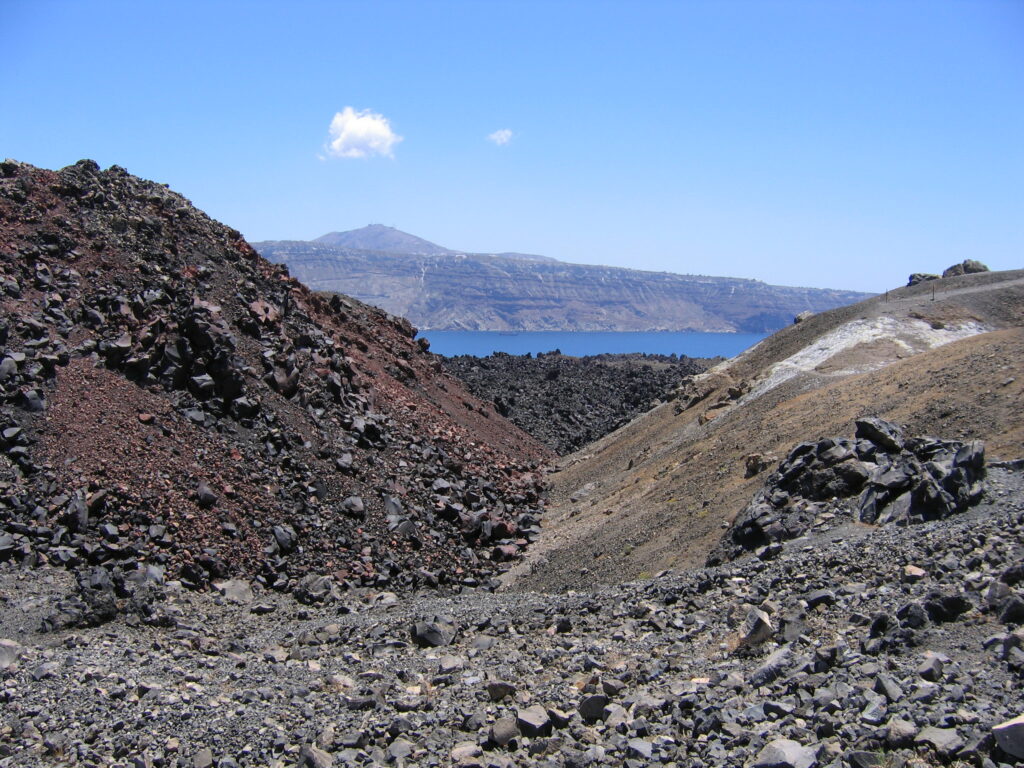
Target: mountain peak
[{"x": 378, "y": 237}]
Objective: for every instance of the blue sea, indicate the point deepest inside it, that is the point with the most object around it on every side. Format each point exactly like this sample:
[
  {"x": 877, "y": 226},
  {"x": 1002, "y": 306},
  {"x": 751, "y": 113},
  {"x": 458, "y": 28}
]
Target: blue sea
[{"x": 579, "y": 344}]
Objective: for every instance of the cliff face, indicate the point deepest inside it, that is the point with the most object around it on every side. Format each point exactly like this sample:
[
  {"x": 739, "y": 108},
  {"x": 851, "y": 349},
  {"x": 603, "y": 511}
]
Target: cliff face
[{"x": 509, "y": 293}]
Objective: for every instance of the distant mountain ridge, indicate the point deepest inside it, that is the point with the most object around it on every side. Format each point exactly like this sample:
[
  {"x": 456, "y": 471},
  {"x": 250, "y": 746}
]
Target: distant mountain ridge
[
  {"x": 440, "y": 289},
  {"x": 377, "y": 237},
  {"x": 384, "y": 239}
]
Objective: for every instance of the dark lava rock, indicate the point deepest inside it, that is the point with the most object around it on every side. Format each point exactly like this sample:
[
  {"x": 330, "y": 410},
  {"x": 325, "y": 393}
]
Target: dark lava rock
[
  {"x": 878, "y": 477},
  {"x": 567, "y": 402},
  {"x": 170, "y": 400},
  {"x": 435, "y": 633}
]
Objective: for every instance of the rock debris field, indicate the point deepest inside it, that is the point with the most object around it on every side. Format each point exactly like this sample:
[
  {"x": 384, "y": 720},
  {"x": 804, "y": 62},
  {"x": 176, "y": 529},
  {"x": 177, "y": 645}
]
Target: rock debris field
[
  {"x": 567, "y": 402},
  {"x": 856, "y": 646}
]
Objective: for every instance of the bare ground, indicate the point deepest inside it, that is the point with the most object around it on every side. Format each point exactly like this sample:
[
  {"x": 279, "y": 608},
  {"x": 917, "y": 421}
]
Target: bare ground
[{"x": 658, "y": 493}]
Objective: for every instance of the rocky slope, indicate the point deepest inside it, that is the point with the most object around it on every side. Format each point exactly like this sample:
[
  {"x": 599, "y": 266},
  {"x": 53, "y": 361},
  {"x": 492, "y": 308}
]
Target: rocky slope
[
  {"x": 867, "y": 647},
  {"x": 657, "y": 493},
  {"x": 568, "y": 402},
  {"x": 442, "y": 289},
  {"x": 175, "y": 407}
]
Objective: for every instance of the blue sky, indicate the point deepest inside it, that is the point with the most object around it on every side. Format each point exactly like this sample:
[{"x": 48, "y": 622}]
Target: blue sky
[{"x": 831, "y": 144}]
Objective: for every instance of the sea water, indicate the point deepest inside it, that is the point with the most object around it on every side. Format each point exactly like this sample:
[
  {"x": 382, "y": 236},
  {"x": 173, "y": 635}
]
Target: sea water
[{"x": 582, "y": 343}]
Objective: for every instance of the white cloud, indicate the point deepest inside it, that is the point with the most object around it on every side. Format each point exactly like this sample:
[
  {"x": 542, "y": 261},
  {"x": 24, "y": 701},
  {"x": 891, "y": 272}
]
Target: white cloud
[
  {"x": 360, "y": 134},
  {"x": 502, "y": 137}
]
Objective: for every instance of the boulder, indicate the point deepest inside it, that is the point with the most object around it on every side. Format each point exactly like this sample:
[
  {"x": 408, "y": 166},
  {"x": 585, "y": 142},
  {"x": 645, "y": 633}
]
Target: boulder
[{"x": 965, "y": 267}]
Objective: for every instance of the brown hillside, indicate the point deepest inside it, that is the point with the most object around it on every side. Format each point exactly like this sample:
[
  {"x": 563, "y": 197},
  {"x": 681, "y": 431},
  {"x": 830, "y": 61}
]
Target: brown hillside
[
  {"x": 657, "y": 493},
  {"x": 174, "y": 405}
]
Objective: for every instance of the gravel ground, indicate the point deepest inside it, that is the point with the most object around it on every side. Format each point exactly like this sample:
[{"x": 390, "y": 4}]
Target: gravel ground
[{"x": 832, "y": 649}]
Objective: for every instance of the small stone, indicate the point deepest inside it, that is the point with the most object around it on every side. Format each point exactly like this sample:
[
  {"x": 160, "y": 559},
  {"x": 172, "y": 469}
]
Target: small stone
[
  {"x": 785, "y": 753},
  {"x": 499, "y": 689},
  {"x": 311, "y": 756},
  {"x": 534, "y": 721},
  {"x": 945, "y": 741},
  {"x": 640, "y": 749},
  {"x": 559, "y": 719},
  {"x": 276, "y": 654},
  {"x": 203, "y": 758},
  {"x": 900, "y": 732},
  {"x": 10, "y": 652},
  {"x": 1012, "y": 610},
  {"x": 44, "y": 671},
  {"x": 773, "y": 667},
  {"x": 236, "y": 591},
  {"x": 353, "y": 506},
  {"x": 888, "y": 687},
  {"x": 884, "y": 434},
  {"x": 205, "y": 495},
  {"x": 591, "y": 708},
  {"x": 400, "y": 749},
  {"x": 464, "y": 751},
  {"x": 504, "y": 730},
  {"x": 820, "y": 597},
  {"x": 450, "y": 664},
  {"x": 931, "y": 668},
  {"x": 860, "y": 759},
  {"x": 611, "y": 686},
  {"x": 1010, "y": 736},
  {"x": 925, "y": 693},
  {"x": 874, "y": 713},
  {"x": 433, "y": 634},
  {"x": 912, "y": 573},
  {"x": 757, "y": 627}
]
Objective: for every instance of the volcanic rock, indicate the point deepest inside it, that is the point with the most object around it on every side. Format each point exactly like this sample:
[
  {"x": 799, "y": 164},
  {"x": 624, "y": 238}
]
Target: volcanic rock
[
  {"x": 1010, "y": 736},
  {"x": 567, "y": 402},
  {"x": 879, "y": 477},
  {"x": 785, "y": 753},
  {"x": 169, "y": 399}
]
